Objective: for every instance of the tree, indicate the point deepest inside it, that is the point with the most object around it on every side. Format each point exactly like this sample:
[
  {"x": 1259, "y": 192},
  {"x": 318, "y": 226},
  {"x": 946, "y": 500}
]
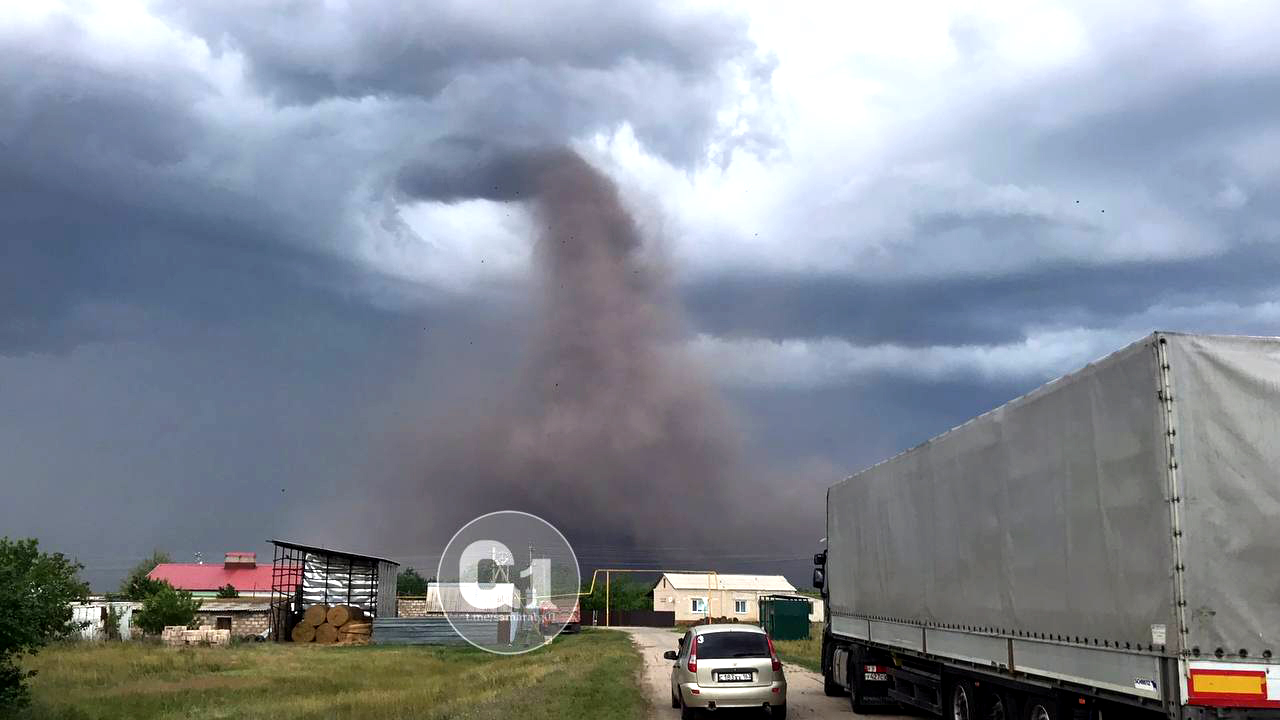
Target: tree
[
  {"x": 36, "y": 593},
  {"x": 409, "y": 582},
  {"x": 136, "y": 585},
  {"x": 228, "y": 591},
  {"x": 624, "y": 594},
  {"x": 166, "y": 606}
]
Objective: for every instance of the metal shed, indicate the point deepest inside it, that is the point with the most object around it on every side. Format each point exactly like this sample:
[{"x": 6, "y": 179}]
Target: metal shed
[
  {"x": 306, "y": 575},
  {"x": 785, "y": 617}
]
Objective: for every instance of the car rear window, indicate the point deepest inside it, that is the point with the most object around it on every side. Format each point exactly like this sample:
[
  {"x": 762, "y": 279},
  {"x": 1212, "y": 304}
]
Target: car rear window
[{"x": 731, "y": 644}]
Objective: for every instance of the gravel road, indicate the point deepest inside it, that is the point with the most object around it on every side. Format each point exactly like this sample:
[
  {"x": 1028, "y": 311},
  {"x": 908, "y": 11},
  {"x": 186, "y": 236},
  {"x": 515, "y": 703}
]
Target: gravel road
[{"x": 805, "y": 699}]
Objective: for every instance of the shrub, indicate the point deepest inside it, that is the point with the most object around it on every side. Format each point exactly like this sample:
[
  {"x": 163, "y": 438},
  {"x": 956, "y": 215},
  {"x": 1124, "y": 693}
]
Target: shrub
[{"x": 166, "y": 606}]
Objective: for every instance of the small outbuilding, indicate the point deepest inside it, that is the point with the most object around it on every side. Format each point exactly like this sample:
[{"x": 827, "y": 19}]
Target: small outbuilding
[{"x": 306, "y": 575}]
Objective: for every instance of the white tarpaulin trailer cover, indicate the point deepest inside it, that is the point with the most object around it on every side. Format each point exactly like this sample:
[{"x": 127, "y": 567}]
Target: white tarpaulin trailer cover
[{"x": 1134, "y": 503}]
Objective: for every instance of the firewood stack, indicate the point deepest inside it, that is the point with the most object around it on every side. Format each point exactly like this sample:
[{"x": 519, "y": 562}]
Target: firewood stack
[{"x": 341, "y": 624}]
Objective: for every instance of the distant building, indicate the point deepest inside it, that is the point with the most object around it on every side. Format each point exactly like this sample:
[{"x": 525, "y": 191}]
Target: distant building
[
  {"x": 694, "y": 596},
  {"x": 242, "y": 617},
  {"x": 447, "y": 597},
  {"x": 240, "y": 569},
  {"x": 248, "y": 614},
  {"x": 91, "y": 618}
]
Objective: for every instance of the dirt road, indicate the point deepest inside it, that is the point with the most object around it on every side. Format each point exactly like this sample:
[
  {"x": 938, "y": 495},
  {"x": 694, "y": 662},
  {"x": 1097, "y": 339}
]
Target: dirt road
[{"x": 805, "y": 699}]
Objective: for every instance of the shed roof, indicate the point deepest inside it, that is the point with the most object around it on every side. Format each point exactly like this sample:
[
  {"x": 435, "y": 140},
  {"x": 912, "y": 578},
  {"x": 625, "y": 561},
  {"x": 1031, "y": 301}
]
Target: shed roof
[
  {"x": 317, "y": 550},
  {"x": 726, "y": 581}
]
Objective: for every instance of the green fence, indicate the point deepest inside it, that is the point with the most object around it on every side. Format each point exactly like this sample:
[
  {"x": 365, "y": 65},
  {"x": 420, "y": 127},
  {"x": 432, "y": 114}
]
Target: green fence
[{"x": 785, "y": 617}]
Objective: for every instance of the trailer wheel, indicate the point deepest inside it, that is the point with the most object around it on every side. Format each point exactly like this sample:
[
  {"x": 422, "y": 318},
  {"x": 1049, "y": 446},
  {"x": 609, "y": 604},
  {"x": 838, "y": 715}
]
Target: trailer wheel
[
  {"x": 962, "y": 701},
  {"x": 1041, "y": 709},
  {"x": 998, "y": 706}
]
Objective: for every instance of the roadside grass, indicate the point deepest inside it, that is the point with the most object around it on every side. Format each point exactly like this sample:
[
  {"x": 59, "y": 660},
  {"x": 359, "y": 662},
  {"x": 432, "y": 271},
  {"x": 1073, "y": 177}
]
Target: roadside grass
[
  {"x": 592, "y": 674},
  {"x": 805, "y": 653}
]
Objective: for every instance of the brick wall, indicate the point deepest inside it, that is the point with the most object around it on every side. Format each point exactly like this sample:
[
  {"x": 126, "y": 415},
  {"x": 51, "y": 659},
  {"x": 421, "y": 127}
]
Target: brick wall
[
  {"x": 412, "y": 607},
  {"x": 243, "y": 622}
]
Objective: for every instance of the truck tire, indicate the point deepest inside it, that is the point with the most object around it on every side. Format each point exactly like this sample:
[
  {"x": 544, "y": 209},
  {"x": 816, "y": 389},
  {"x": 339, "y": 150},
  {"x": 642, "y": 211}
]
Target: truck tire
[
  {"x": 1039, "y": 708},
  {"x": 830, "y": 687},
  {"x": 999, "y": 705},
  {"x": 962, "y": 701}
]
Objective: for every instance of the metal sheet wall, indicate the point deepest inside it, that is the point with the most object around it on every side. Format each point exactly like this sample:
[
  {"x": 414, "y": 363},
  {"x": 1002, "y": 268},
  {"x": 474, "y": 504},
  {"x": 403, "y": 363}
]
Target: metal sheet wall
[
  {"x": 333, "y": 580},
  {"x": 1047, "y": 515}
]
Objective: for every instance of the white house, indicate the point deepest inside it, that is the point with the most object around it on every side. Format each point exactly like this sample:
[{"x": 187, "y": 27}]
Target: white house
[{"x": 694, "y": 596}]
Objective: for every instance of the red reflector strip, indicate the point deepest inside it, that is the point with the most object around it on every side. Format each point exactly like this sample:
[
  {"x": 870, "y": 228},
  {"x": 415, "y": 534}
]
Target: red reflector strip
[{"x": 1229, "y": 688}]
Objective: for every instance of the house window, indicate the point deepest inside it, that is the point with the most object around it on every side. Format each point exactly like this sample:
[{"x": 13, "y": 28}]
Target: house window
[
  {"x": 740, "y": 607},
  {"x": 698, "y": 605},
  {"x": 223, "y": 622}
]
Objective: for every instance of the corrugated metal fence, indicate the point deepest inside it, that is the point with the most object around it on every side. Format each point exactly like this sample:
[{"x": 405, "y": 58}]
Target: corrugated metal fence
[{"x": 434, "y": 630}]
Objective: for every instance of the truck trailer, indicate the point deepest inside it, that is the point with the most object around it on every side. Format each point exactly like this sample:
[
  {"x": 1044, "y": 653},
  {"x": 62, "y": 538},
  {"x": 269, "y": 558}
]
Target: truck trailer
[{"x": 1106, "y": 546}]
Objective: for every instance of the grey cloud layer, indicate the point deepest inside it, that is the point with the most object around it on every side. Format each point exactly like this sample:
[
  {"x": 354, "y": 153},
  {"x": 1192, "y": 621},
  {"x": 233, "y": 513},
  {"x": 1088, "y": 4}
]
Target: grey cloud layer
[{"x": 208, "y": 191}]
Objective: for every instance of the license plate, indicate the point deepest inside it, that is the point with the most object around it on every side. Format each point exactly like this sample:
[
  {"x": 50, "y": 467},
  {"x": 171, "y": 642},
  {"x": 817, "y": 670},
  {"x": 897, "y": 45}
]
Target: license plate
[
  {"x": 875, "y": 677},
  {"x": 734, "y": 677}
]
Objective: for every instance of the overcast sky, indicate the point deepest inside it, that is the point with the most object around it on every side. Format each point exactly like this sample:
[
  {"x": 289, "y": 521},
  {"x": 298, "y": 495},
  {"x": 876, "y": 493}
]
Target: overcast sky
[{"x": 246, "y": 262}]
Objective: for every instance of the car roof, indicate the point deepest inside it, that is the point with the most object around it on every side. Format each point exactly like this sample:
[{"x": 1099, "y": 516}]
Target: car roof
[{"x": 725, "y": 627}]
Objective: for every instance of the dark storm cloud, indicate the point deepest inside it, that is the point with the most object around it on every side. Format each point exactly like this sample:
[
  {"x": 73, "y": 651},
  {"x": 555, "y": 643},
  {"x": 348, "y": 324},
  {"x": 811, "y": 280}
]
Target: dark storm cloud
[
  {"x": 921, "y": 312},
  {"x": 545, "y": 72},
  {"x": 367, "y": 48},
  {"x": 201, "y": 342}
]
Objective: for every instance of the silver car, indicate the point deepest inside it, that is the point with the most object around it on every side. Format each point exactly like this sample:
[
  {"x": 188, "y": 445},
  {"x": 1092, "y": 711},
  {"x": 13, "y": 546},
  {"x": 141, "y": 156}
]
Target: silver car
[{"x": 726, "y": 666}]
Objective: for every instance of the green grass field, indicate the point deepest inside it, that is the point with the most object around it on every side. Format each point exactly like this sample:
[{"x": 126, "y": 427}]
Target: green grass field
[
  {"x": 593, "y": 674},
  {"x": 805, "y": 653}
]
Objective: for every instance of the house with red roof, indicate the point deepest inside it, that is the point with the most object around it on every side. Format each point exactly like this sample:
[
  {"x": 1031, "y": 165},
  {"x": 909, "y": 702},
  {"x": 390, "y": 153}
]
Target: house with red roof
[{"x": 240, "y": 569}]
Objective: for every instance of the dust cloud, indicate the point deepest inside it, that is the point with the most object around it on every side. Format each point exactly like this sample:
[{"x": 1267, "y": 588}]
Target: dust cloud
[{"x": 610, "y": 429}]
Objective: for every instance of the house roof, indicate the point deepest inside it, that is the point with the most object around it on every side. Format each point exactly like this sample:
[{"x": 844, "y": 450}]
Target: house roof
[
  {"x": 725, "y": 581},
  {"x": 195, "y": 576}
]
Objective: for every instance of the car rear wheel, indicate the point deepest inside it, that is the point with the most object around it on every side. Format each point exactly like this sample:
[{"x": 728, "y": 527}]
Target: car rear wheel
[
  {"x": 778, "y": 712},
  {"x": 675, "y": 701},
  {"x": 686, "y": 712}
]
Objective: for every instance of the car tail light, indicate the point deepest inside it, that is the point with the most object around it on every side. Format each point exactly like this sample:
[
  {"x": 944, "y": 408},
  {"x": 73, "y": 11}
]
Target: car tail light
[
  {"x": 693, "y": 654},
  {"x": 773, "y": 655}
]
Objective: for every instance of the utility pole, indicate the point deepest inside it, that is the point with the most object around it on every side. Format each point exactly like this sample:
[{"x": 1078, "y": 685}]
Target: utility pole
[{"x": 606, "y": 598}]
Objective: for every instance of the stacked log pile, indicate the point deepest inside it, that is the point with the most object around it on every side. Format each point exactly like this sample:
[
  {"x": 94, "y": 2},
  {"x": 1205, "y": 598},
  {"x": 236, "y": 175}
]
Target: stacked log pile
[{"x": 340, "y": 624}]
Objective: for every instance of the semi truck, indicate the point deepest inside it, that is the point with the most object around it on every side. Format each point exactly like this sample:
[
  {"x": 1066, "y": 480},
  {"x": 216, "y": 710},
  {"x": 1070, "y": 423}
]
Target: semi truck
[{"x": 1106, "y": 546}]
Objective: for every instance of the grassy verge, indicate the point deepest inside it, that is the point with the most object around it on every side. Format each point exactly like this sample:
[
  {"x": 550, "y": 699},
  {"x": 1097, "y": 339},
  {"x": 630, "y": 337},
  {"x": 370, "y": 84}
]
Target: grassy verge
[
  {"x": 805, "y": 653},
  {"x": 593, "y": 674}
]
